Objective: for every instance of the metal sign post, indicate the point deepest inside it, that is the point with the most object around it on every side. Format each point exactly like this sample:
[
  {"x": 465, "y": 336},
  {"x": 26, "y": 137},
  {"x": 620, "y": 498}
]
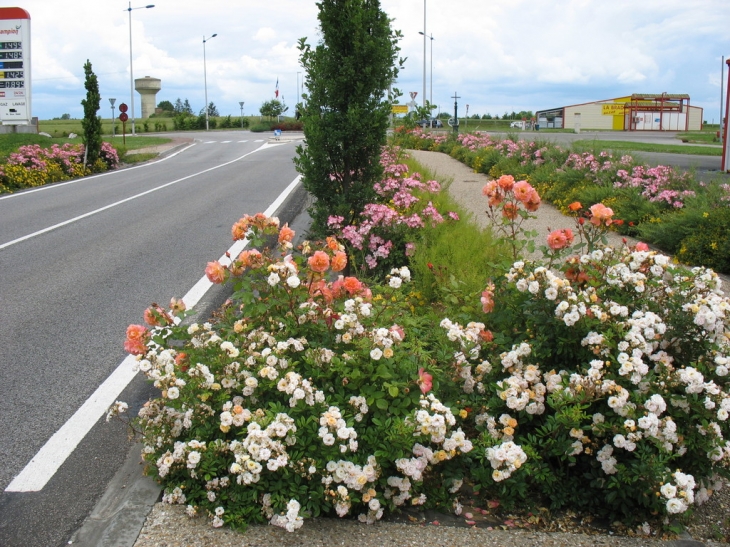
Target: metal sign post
[
  {"x": 123, "y": 117},
  {"x": 725, "y": 141},
  {"x": 456, "y": 114}
]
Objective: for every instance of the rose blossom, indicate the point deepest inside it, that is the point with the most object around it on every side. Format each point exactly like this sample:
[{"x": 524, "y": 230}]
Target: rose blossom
[
  {"x": 425, "y": 380},
  {"x": 339, "y": 261},
  {"x": 215, "y": 272},
  {"x": 136, "y": 340},
  {"x": 319, "y": 262}
]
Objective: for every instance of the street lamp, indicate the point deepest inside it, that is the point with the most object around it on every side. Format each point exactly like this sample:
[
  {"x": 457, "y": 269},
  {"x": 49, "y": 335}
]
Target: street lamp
[
  {"x": 424, "y": 52},
  {"x": 431, "y": 37},
  {"x": 112, "y": 101},
  {"x": 241, "y": 105},
  {"x": 131, "y": 72},
  {"x": 205, "y": 80}
]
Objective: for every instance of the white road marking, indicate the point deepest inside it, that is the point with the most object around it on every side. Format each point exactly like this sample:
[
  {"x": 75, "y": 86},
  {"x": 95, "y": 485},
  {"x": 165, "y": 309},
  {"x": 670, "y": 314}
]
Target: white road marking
[
  {"x": 225, "y": 142},
  {"x": 120, "y": 202},
  {"x": 59, "y": 447},
  {"x": 210, "y": 142},
  {"x": 243, "y": 141}
]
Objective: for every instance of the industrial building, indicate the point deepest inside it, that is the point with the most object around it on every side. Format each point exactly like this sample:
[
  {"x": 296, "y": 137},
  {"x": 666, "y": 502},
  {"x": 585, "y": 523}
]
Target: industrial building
[{"x": 637, "y": 112}]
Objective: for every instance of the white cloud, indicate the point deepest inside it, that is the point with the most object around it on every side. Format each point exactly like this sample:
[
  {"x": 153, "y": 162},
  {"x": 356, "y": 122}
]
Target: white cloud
[{"x": 497, "y": 55}]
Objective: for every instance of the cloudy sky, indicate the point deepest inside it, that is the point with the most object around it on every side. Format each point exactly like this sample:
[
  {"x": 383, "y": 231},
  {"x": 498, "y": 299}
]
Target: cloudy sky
[{"x": 498, "y": 55}]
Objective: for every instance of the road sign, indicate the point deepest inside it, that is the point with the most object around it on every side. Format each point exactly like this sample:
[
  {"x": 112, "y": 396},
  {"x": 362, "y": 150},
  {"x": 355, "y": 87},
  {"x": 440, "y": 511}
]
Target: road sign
[{"x": 123, "y": 107}]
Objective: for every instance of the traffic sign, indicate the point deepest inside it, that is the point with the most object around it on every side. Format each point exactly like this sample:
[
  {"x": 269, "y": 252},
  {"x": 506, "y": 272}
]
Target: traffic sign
[
  {"x": 123, "y": 117},
  {"x": 123, "y": 107}
]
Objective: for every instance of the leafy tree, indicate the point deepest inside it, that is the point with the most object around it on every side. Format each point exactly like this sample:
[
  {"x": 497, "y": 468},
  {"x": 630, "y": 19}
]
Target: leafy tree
[
  {"x": 178, "y": 108},
  {"x": 212, "y": 110},
  {"x": 166, "y": 105},
  {"x": 91, "y": 124},
  {"x": 66, "y": 116},
  {"x": 346, "y": 110},
  {"x": 273, "y": 108},
  {"x": 187, "y": 109}
]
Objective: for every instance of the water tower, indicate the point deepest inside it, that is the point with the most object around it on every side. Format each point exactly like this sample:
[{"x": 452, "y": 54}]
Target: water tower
[{"x": 148, "y": 88}]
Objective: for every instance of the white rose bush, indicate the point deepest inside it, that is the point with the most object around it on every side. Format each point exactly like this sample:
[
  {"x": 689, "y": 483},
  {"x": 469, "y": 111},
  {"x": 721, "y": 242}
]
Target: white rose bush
[{"x": 594, "y": 379}]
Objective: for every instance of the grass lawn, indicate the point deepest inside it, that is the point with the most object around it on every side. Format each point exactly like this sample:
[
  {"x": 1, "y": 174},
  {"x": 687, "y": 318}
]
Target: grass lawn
[{"x": 585, "y": 145}]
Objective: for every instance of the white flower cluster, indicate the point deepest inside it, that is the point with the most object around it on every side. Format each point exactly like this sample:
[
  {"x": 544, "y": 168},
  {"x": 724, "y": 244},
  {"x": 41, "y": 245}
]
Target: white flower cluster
[
  {"x": 608, "y": 462},
  {"x": 174, "y": 496},
  {"x": 300, "y": 389},
  {"x": 470, "y": 344},
  {"x": 360, "y": 405},
  {"x": 333, "y": 427},
  {"x": 523, "y": 390},
  {"x": 541, "y": 280},
  {"x": 680, "y": 494},
  {"x": 710, "y": 313},
  {"x": 290, "y": 520},
  {"x": 437, "y": 424},
  {"x": 398, "y": 276},
  {"x": 233, "y": 414},
  {"x": 350, "y": 475},
  {"x": 505, "y": 459},
  {"x": 183, "y": 453},
  {"x": 399, "y": 491},
  {"x": 262, "y": 446}
]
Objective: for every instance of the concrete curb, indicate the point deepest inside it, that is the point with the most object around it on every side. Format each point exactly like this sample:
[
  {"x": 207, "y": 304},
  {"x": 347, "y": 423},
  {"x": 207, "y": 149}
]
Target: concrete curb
[{"x": 118, "y": 517}]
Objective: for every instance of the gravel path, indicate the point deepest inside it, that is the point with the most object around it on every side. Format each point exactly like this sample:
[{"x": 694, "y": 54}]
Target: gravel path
[{"x": 168, "y": 526}]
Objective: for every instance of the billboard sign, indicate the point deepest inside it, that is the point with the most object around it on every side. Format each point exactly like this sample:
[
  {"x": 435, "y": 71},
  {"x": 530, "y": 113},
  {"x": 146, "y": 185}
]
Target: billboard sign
[{"x": 14, "y": 66}]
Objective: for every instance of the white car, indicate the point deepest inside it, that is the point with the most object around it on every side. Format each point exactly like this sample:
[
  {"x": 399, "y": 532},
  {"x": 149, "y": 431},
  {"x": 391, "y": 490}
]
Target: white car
[{"x": 516, "y": 124}]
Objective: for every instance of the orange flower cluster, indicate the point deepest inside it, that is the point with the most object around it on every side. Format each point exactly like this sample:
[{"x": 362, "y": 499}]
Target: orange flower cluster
[
  {"x": 499, "y": 192},
  {"x": 137, "y": 337},
  {"x": 260, "y": 221}
]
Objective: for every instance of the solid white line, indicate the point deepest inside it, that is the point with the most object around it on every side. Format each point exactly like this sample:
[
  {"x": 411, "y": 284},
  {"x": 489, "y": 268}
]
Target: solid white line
[
  {"x": 116, "y": 203},
  {"x": 59, "y": 447},
  {"x": 84, "y": 179}
]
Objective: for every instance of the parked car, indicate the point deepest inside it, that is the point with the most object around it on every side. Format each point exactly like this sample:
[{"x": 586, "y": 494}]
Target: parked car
[{"x": 433, "y": 122}]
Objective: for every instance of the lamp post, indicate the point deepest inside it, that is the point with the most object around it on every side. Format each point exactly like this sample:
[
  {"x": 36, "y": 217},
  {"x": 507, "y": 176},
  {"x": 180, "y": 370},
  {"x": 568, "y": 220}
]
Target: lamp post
[
  {"x": 131, "y": 72},
  {"x": 431, "y": 92},
  {"x": 112, "y": 101},
  {"x": 241, "y": 105},
  {"x": 205, "y": 80},
  {"x": 424, "y": 52},
  {"x": 298, "y": 94}
]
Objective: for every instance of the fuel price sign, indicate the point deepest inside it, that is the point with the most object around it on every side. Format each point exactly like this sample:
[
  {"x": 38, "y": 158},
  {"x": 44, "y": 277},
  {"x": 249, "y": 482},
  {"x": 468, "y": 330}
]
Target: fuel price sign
[{"x": 15, "y": 66}]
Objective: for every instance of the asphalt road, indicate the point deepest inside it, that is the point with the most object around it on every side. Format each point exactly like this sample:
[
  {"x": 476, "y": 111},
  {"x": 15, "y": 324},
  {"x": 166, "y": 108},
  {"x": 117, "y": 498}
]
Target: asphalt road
[{"x": 78, "y": 263}]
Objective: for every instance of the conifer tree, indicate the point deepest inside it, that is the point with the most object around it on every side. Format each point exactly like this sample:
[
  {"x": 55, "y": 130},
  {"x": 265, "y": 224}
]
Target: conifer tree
[
  {"x": 346, "y": 108},
  {"x": 91, "y": 124}
]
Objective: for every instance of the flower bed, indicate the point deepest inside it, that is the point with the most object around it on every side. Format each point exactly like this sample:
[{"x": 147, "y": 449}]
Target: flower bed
[
  {"x": 671, "y": 209},
  {"x": 594, "y": 380},
  {"x": 33, "y": 165}
]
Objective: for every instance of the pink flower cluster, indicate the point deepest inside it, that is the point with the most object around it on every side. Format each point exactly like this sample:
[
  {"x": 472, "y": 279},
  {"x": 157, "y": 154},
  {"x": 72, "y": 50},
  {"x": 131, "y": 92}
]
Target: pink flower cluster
[
  {"x": 400, "y": 208},
  {"x": 659, "y": 184}
]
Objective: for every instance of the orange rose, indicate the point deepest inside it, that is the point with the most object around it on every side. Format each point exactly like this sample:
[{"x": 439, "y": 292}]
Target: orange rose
[
  {"x": 509, "y": 210},
  {"x": 216, "y": 272},
  {"x": 352, "y": 285},
  {"x": 339, "y": 261},
  {"x": 319, "y": 262},
  {"x": 286, "y": 234}
]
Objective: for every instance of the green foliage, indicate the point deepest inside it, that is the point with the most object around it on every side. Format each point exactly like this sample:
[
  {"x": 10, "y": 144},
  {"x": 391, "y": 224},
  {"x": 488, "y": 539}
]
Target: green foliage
[
  {"x": 91, "y": 123},
  {"x": 273, "y": 108},
  {"x": 346, "y": 110},
  {"x": 166, "y": 106}
]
